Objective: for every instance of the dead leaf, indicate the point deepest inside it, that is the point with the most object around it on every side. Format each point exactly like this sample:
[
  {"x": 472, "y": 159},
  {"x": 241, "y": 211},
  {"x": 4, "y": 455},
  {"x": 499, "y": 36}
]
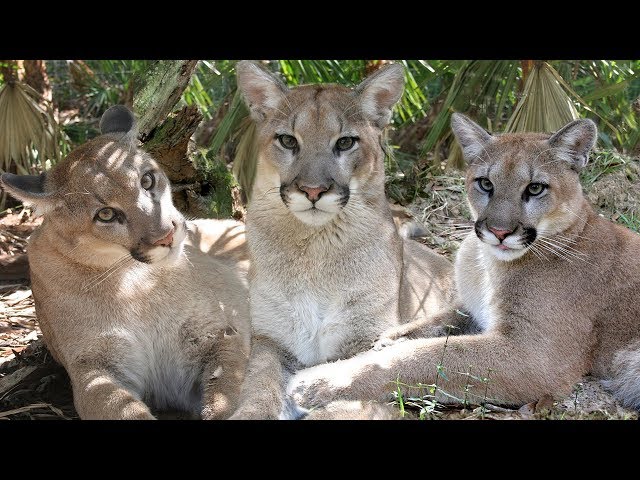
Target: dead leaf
[
  {"x": 32, "y": 336},
  {"x": 545, "y": 403}
]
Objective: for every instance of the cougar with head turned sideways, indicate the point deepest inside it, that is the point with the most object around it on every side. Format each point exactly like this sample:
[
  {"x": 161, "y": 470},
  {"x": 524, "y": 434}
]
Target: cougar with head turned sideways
[
  {"x": 329, "y": 271},
  {"x": 146, "y": 311},
  {"x": 553, "y": 286}
]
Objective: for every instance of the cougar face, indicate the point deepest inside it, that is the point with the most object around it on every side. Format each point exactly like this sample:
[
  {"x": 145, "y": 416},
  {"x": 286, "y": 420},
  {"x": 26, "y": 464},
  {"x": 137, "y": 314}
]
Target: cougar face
[
  {"x": 129, "y": 209},
  {"x": 523, "y": 188},
  {"x": 323, "y": 142},
  {"x": 111, "y": 200}
]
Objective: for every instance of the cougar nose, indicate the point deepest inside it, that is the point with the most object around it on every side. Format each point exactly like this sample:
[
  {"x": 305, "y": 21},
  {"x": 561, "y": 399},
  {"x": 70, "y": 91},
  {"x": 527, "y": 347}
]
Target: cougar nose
[
  {"x": 313, "y": 193},
  {"x": 166, "y": 240},
  {"x": 501, "y": 234}
]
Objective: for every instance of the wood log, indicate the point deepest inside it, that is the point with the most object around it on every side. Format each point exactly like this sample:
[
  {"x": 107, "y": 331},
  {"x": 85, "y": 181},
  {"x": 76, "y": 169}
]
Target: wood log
[{"x": 14, "y": 268}]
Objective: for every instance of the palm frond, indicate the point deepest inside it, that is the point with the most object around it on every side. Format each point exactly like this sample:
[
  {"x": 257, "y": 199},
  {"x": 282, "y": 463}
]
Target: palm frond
[
  {"x": 544, "y": 105},
  {"x": 28, "y": 131}
]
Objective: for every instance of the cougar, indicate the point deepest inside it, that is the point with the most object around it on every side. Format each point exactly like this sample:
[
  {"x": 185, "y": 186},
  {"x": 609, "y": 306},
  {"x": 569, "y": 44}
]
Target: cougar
[
  {"x": 329, "y": 272},
  {"x": 146, "y": 311},
  {"x": 553, "y": 287}
]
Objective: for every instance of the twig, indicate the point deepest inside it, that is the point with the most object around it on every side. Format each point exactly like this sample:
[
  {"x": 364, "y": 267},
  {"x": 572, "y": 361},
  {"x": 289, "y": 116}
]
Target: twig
[{"x": 495, "y": 408}]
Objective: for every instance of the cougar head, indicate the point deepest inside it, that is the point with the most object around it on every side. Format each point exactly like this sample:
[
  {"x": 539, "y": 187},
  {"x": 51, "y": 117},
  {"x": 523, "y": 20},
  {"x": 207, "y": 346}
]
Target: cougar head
[
  {"x": 107, "y": 200},
  {"x": 321, "y": 143},
  {"x": 523, "y": 188}
]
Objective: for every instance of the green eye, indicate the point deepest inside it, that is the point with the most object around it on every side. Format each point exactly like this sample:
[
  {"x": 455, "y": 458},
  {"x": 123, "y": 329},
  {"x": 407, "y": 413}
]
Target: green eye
[
  {"x": 536, "y": 189},
  {"x": 345, "y": 143},
  {"x": 106, "y": 215},
  {"x": 485, "y": 184},
  {"x": 288, "y": 141},
  {"x": 148, "y": 181}
]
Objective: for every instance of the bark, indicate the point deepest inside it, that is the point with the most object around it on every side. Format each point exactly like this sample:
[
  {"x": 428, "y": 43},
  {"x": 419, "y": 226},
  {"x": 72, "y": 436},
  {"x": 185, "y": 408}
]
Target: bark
[
  {"x": 166, "y": 135},
  {"x": 168, "y": 143},
  {"x": 35, "y": 75},
  {"x": 157, "y": 90}
]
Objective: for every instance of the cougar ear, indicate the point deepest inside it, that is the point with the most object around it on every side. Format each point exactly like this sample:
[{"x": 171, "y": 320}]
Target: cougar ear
[
  {"x": 117, "y": 119},
  {"x": 30, "y": 190},
  {"x": 379, "y": 92},
  {"x": 574, "y": 141},
  {"x": 262, "y": 91},
  {"x": 471, "y": 136}
]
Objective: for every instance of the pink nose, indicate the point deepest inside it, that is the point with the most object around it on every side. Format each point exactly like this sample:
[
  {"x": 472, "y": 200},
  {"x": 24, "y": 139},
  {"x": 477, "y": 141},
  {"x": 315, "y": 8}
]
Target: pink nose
[
  {"x": 501, "y": 234},
  {"x": 313, "y": 193},
  {"x": 166, "y": 240}
]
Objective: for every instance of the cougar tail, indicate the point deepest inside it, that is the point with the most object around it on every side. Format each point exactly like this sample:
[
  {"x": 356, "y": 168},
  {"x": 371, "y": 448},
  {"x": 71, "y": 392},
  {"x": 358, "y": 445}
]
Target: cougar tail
[
  {"x": 625, "y": 382},
  {"x": 407, "y": 226}
]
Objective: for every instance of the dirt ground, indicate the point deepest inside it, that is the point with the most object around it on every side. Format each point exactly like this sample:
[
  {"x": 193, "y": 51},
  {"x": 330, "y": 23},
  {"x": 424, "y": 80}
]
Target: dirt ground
[{"x": 33, "y": 386}]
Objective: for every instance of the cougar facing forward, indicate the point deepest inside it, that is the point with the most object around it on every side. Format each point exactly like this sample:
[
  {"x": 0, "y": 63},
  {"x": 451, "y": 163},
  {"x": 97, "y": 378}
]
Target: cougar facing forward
[
  {"x": 554, "y": 287},
  {"x": 329, "y": 271},
  {"x": 143, "y": 309}
]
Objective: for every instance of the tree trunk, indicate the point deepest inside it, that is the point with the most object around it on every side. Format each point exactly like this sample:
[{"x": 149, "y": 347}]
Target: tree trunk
[
  {"x": 166, "y": 135},
  {"x": 168, "y": 143},
  {"x": 158, "y": 90},
  {"x": 527, "y": 66},
  {"x": 35, "y": 75}
]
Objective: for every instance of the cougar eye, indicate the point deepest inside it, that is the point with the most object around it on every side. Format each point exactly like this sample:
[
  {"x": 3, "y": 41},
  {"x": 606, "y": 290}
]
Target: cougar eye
[
  {"x": 288, "y": 141},
  {"x": 485, "y": 184},
  {"x": 536, "y": 188},
  {"x": 148, "y": 181},
  {"x": 345, "y": 143},
  {"x": 106, "y": 215}
]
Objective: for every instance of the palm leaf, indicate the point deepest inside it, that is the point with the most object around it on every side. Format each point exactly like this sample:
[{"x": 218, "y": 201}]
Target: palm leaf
[
  {"x": 544, "y": 106},
  {"x": 25, "y": 126}
]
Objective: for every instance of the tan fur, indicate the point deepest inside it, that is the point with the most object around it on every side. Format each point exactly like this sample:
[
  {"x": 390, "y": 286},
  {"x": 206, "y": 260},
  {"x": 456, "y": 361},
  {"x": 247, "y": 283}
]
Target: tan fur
[
  {"x": 136, "y": 336},
  {"x": 325, "y": 283},
  {"x": 551, "y": 313}
]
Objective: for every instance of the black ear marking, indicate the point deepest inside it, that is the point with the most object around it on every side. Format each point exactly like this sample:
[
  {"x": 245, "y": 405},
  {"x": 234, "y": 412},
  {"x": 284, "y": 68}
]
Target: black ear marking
[
  {"x": 30, "y": 190},
  {"x": 117, "y": 119},
  {"x": 32, "y": 185}
]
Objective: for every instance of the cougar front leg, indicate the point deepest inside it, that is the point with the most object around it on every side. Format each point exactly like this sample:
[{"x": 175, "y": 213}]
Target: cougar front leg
[
  {"x": 98, "y": 395},
  {"x": 263, "y": 395},
  {"x": 516, "y": 373},
  {"x": 452, "y": 322},
  {"x": 223, "y": 376}
]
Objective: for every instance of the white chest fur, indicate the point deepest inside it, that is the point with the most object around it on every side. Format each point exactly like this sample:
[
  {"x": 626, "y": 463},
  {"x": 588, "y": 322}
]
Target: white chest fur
[
  {"x": 156, "y": 369},
  {"x": 311, "y": 328},
  {"x": 474, "y": 283}
]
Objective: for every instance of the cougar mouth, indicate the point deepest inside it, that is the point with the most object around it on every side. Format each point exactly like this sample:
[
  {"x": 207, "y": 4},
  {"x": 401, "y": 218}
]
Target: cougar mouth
[
  {"x": 506, "y": 244},
  {"x": 314, "y": 210},
  {"x": 163, "y": 254}
]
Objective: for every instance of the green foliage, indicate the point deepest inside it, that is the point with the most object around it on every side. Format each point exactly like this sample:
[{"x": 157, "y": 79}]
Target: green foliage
[
  {"x": 602, "y": 162},
  {"x": 210, "y": 85},
  {"x": 609, "y": 88},
  {"x": 216, "y": 174},
  {"x": 630, "y": 220}
]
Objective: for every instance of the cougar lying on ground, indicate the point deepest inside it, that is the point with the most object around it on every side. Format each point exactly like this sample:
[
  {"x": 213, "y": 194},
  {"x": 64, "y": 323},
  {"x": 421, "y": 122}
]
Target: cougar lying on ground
[
  {"x": 553, "y": 286},
  {"x": 329, "y": 271},
  {"x": 144, "y": 310}
]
